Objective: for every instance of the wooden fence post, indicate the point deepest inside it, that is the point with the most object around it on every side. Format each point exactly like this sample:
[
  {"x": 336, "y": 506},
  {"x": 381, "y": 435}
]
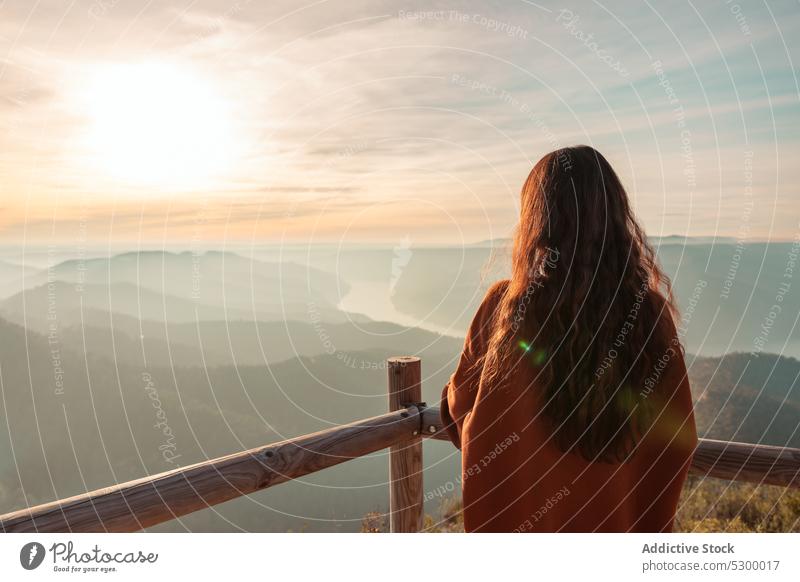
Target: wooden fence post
[{"x": 405, "y": 470}]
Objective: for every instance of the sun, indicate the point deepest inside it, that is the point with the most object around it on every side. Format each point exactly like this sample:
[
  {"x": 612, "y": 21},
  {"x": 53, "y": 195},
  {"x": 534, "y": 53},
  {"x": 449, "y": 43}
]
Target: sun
[{"x": 157, "y": 124}]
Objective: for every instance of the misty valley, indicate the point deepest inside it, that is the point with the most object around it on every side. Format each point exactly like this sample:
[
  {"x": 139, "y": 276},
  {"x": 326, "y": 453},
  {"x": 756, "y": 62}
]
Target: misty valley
[{"x": 119, "y": 365}]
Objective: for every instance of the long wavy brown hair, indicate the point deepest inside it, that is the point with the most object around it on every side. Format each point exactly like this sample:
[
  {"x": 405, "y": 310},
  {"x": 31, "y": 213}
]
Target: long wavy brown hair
[{"x": 587, "y": 306}]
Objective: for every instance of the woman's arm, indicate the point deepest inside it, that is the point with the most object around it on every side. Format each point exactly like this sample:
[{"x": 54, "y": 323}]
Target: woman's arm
[
  {"x": 676, "y": 440},
  {"x": 458, "y": 395}
]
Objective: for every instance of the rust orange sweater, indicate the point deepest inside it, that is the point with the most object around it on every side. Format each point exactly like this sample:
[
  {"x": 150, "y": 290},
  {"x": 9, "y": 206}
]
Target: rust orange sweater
[{"x": 515, "y": 478}]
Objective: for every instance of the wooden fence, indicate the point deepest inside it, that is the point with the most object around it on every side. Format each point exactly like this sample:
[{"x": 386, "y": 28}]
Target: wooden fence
[{"x": 158, "y": 498}]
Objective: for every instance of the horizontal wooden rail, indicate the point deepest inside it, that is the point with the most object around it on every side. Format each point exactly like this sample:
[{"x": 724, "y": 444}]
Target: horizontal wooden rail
[
  {"x": 721, "y": 459},
  {"x": 747, "y": 462},
  {"x": 152, "y": 500}
]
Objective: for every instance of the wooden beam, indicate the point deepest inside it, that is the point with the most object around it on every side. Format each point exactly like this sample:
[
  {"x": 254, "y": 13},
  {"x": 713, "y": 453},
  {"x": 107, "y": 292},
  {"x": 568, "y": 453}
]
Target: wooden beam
[
  {"x": 152, "y": 500},
  {"x": 720, "y": 459},
  {"x": 746, "y": 462},
  {"x": 405, "y": 472},
  {"x": 432, "y": 427}
]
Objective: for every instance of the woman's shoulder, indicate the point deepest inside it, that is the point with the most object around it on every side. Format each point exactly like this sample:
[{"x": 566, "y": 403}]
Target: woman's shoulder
[
  {"x": 494, "y": 294},
  {"x": 481, "y": 322},
  {"x": 663, "y": 310},
  {"x": 496, "y": 291}
]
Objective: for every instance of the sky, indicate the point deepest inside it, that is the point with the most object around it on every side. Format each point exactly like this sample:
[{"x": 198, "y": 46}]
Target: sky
[{"x": 355, "y": 121}]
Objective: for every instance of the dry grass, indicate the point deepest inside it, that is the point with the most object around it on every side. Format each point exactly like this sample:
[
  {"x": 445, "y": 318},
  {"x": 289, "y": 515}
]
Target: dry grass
[{"x": 707, "y": 505}]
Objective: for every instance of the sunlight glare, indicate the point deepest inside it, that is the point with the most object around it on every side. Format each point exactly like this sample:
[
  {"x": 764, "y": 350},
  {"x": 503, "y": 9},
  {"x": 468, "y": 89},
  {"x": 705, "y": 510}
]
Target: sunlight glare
[{"x": 157, "y": 124}]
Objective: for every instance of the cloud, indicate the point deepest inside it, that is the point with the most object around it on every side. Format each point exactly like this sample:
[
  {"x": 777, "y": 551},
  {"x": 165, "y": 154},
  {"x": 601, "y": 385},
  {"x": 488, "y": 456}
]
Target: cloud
[{"x": 440, "y": 102}]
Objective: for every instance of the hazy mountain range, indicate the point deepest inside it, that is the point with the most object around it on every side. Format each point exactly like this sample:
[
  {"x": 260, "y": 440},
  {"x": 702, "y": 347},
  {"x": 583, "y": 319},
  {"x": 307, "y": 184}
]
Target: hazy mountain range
[{"x": 239, "y": 351}]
